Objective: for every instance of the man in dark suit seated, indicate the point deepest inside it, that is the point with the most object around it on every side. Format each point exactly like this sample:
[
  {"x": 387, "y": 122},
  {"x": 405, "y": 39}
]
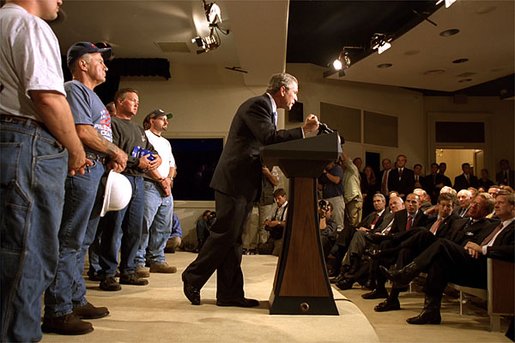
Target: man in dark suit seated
[
  {"x": 446, "y": 261},
  {"x": 401, "y": 179},
  {"x": 370, "y": 224},
  {"x": 406, "y": 246},
  {"x": 466, "y": 179},
  {"x": 237, "y": 183}
]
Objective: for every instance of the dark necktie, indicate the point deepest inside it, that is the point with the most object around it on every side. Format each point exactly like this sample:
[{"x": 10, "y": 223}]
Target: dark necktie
[
  {"x": 491, "y": 235},
  {"x": 374, "y": 222},
  {"x": 400, "y": 173},
  {"x": 409, "y": 223}
]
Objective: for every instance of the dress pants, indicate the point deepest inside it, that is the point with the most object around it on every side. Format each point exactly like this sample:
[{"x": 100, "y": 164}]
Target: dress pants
[{"x": 222, "y": 249}]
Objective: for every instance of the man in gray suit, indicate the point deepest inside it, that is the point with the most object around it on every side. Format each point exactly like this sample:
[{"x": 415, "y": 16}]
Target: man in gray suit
[{"x": 237, "y": 183}]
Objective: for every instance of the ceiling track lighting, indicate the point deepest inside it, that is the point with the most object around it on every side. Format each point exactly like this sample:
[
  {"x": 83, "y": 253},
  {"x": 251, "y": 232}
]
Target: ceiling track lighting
[
  {"x": 343, "y": 61},
  {"x": 380, "y": 42},
  {"x": 214, "y": 18},
  {"x": 448, "y": 3}
]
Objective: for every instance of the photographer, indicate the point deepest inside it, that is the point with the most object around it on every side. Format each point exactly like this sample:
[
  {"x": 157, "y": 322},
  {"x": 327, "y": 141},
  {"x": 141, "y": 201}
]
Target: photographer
[
  {"x": 276, "y": 225},
  {"x": 327, "y": 226},
  {"x": 332, "y": 190}
]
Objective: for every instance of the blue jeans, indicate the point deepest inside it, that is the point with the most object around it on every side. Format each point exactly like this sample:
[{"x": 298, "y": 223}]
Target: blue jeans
[
  {"x": 33, "y": 168},
  {"x": 124, "y": 225},
  {"x": 68, "y": 286},
  {"x": 157, "y": 225}
]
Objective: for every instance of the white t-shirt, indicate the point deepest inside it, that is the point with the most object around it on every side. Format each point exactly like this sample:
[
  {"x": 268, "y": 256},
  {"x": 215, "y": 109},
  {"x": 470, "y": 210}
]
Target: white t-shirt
[
  {"x": 30, "y": 59},
  {"x": 164, "y": 149}
]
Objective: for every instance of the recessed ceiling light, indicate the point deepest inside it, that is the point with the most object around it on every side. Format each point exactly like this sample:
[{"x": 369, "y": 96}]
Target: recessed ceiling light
[
  {"x": 450, "y": 32},
  {"x": 460, "y": 60},
  {"x": 384, "y": 65},
  {"x": 411, "y": 52},
  {"x": 434, "y": 72},
  {"x": 464, "y": 80},
  {"x": 466, "y": 74}
]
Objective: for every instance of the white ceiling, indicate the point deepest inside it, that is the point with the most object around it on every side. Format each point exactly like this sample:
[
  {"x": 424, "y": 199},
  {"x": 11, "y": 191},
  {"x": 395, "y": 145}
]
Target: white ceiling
[{"x": 257, "y": 41}]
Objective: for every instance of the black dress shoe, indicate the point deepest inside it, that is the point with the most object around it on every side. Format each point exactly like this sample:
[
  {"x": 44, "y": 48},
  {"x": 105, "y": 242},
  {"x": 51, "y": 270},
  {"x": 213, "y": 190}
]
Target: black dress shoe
[
  {"x": 376, "y": 239},
  {"x": 192, "y": 293},
  {"x": 344, "y": 284},
  {"x": 370, "y": 284},
  {"x": 243, "y": 302},
  {"x": 388, "y": 305},
  {"x": 375, "y": 294},
  {"x": 426, "y": 317},
  {"x": 374, "y": 253},
  {"x": 401, "y": 277}
]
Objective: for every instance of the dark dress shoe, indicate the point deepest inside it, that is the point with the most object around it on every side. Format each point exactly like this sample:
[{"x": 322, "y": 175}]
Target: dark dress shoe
[
  {"x": 88, "y": 311},
  {"x": 376, "y": 239},
  {"x": 370, "y": 284},
  {"x": 374, "y": 253},
  {"x": 401, "y": 277},
  {"x": 375, "y": 294},
  {"x": 192, "y": 293},
  {"x": 243, "y": 302},
  {"x": 388, "y": 305},
  {"x": 426, "y": 317},
  {"x": 345, "y": 284}
]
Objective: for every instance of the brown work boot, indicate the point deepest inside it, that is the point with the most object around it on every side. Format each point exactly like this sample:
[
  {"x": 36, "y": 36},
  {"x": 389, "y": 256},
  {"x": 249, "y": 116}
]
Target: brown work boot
[
  {"x": 88, "y": 311},
  {"x": 68, "y": 324},
  {"x": 162, "y": 267},
  {"x": 142, "y": 272},
  {"x": 133, "y": 279}
]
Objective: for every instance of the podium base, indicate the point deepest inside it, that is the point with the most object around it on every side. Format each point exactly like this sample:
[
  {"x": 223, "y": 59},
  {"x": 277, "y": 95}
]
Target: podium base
[{"x": 303, "y": 305}]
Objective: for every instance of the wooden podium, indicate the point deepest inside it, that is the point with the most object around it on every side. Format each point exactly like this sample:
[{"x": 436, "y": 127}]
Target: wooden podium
[{"x": 301, "y": 284}]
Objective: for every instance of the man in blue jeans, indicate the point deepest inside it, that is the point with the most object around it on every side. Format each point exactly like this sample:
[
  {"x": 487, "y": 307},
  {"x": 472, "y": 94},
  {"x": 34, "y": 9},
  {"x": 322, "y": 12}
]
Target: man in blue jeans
[
  {"x": 125, "y": 225},
  {"x": 157, "y": 220},
  {"x": 65, "y": 299},
  {"x": 38, "y": 146}
]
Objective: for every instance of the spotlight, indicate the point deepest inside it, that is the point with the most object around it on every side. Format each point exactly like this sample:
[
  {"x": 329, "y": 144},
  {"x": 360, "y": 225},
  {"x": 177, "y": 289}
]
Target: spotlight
[
  {"x": 343, "y": 61},
  {"x": 206, "y": 44},
  {"x": 380, "y": 42},
  {"x": 384, "y": 47},
  {"x": 448, "y": 3},
  {"x": 198, "y": 41}
]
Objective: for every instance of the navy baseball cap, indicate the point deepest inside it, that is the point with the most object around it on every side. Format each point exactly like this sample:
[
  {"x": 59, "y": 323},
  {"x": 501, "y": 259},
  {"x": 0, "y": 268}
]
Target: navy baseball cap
[{"x": 81, "y": 48}]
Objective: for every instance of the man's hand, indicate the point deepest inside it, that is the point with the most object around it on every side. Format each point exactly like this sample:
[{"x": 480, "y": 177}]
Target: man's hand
[
  {"x": 473, "y": 249},
  {"x": 119, "y": 157},
  {"x": 77, "y": 162},
  {"x": 310, "y": 124},
  {"x": 166, "y": 185},
  {"x": 115, "y": 166},
  {"x": 363, "y": 229},
  {"x": 145, "y": 164}
]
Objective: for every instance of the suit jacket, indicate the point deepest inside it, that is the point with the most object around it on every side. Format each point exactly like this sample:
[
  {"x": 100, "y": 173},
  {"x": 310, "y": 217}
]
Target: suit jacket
[
  {"x": 404, "y": 184},
  {"x": 367, "y": 221},
  {"x": 401, "y": 219},
  {"x": 460, "y": 182},
  {"x": 464, "y": 230},
  {"x": 503, "y": 246},
  {"x": 239, "y": 169},
  {"x": 445, "y": 226},
  {"x": 501, "y": 180},
  {"x": 387, "y": 219}
]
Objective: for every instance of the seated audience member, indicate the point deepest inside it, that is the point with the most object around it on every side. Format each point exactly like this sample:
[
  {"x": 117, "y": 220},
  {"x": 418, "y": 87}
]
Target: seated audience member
[
  {"x": 373, "y": 223},
  {"x": 327, "y": 226},
  {"x": 202, "y": 226},
  {"x": 466, "y": 179},
  {"x": 484, "y": 181},
  {"x": 474, "y": 191},
  {"x": 276, "y": 225},
  {"x": 464, "y": 264},
  {"x": 425, "y": 199},
  {"x": 175, "y": 239},
  {"x": 464, "y": 200},
  {"x": 407, "y": 245},
  {"x": 505, "y": 176}
]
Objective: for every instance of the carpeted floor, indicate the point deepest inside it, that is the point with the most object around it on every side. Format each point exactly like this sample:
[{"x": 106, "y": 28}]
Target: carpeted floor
[{"x": 159, "y": 312}]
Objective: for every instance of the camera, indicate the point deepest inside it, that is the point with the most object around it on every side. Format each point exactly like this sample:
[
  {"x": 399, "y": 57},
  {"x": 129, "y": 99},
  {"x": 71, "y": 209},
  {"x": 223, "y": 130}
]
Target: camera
[{"x": 323, "y": 205}]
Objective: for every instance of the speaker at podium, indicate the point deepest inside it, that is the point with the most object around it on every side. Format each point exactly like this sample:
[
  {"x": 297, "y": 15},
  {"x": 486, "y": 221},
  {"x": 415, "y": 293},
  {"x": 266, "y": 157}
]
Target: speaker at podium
[{"x": 301, "y": 285}]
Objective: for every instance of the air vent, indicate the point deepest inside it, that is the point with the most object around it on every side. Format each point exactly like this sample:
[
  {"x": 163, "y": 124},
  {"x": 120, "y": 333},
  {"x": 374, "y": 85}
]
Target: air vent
[{"x": 173, "y": 46}]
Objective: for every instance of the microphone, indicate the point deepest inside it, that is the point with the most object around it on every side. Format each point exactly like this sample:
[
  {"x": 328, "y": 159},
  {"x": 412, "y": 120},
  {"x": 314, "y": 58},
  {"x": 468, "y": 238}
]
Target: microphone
[{"x": 324, "y": 129}]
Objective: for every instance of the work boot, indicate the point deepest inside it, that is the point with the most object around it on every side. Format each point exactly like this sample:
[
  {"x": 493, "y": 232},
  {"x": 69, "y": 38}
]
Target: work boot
[
  {"x": 132, "y": 279},
  {"x": 431, "y": 312},
  {"x": 88, "y": 311},
  {"x": 162, "y": 267},
  {"x": 110, "y": 284},
  {"x": 69, "y": 324},
  {"x": 142, "y": 272}
]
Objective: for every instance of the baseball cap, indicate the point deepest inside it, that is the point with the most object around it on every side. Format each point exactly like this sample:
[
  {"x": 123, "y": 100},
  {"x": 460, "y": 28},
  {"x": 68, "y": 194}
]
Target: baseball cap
[
  {"x": 81, "y": 48},
  {"x": 157, "y": 113}
]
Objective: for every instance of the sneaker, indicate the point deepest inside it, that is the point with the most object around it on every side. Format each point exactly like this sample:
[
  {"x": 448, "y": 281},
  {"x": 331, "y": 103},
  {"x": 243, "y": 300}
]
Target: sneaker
[
  {"x": 68, "y": 324},
  {"x": 88, "y": 311},
  {"x": 132, "y": 279},
  {"x": 142, "y": 272},
  {"x": 162, "y": 267},
  {"x": 110, "y": 284}
]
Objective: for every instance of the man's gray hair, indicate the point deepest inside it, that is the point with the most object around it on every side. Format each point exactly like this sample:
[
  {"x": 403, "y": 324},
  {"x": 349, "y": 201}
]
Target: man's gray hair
[{"x": 279, "y": 80}]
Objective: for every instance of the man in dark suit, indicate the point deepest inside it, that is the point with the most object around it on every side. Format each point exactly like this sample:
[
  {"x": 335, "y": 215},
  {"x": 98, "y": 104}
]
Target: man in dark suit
[
  {"x": 466, "y": 179},
  {"x": 445, "y": 261},
  {"x": 401, "y": 179},
  {"x": 384, "y": 176},
  {"x": 432, "y": 182},
  {"x": 237, "y": 182},
  {"x": 505, "y": 176}
]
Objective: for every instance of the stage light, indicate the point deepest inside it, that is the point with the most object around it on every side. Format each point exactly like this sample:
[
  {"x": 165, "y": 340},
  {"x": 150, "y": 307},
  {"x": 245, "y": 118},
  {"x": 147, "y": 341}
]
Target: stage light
[
  {"x": 384, "y": 47},
  {"x": 448, "y": 3},
  {"x": 380, "y": 42},
  {"x": 343, "y": 61}
]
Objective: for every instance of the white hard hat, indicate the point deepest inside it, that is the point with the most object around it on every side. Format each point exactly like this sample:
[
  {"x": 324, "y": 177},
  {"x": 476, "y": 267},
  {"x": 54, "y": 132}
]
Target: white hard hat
[{"x": 118, "y": 193}]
